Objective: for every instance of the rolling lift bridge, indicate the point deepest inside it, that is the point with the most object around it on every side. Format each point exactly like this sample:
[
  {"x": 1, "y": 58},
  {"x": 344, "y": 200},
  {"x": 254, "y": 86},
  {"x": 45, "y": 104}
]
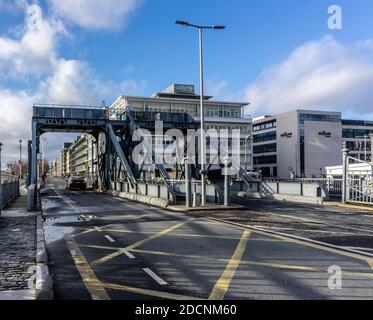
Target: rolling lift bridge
[{"x": 114, "y": 141}]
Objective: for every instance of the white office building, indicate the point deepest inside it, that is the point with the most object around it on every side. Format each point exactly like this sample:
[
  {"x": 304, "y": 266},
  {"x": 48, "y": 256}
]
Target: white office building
[
  {"x": 219, "y": 115},
  {"x": 302, "y": 142}
]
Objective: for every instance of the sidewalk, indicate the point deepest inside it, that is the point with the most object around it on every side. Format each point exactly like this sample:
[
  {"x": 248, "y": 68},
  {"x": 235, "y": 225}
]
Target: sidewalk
[{"x": 17, "y": 251}]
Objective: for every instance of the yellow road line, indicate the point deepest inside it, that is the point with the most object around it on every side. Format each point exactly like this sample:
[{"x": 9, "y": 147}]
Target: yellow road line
[
  {"x": 89, "y": 278},
  {"x": 243, "y": 262},
  {"x": 254, "y": 263},
  {"x": 222, "y": 285},
  {"x": 158, "y": 234},
  {"x": 370, "y": 262},
  {"x": 105, "y": 227},
  {"x": 152, "y": 293},
  {"x": 175, "y": 234},
  {"x": 106, "y": 258},
  {"x": 304, "y": 243},
  {"x": 90, "y": 230},
  {"x": 140, "y": 243}
]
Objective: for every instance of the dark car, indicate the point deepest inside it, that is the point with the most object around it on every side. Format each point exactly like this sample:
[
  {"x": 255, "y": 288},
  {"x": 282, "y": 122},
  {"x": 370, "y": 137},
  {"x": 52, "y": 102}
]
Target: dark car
[{"x": 77, "y": 183}]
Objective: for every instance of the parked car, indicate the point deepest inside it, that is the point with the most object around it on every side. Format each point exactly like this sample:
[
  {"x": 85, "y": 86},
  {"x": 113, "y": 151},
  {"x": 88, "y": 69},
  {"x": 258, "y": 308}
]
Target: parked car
[{"x": 76, "y": 182}]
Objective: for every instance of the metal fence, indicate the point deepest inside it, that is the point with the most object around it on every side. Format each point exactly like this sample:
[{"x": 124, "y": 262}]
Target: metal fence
[
  {"x": 10, "y": 191},
  {"x": 360, "y": 189},
  {"x": 332, "y": 186}
]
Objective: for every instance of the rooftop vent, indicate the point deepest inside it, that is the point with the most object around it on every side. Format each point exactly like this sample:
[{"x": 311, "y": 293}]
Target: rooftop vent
[{"x": 180, "y": 89}]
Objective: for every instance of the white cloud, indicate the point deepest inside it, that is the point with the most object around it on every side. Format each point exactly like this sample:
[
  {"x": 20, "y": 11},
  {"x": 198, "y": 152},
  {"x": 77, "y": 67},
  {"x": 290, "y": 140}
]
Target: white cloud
[
  {"x": 96, "y": 14},
  {"x": 214, "y": 88},
  {"x": 35, "y": 52},
  {"x": 15, "y": 111},
  {"x": 322, "y": 74},
  {"x": 33, "y": 56}
]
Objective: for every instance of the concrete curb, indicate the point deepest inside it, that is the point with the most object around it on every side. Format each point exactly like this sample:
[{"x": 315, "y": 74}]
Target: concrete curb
[
  {"x": 44, "y": 283},
  {"x": 184, "y": 209},
  {"x": 156, "y": 202},
  {"x": 282, "y": 197},
  {"x": 347, "y": 206}
]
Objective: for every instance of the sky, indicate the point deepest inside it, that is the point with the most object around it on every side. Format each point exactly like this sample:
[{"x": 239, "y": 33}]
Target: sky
[{"x": 277, "y": 55}]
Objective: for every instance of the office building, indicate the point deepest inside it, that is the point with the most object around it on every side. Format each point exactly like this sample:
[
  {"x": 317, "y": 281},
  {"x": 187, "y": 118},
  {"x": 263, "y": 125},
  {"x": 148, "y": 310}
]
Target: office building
[{"x": 302, "y": 143}]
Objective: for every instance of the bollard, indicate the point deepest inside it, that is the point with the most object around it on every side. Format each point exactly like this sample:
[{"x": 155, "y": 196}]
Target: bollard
[{"x": 345, "y": 152}]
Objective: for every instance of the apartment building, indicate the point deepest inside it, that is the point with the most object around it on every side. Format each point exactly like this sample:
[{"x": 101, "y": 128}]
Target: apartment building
[
  {"x": 303, "y": 142},
  {"x": 54, "y": 168},
  {"x": 179, "y": 98},
  {"x": 64, "y": 168},
  {"x": 83, "y": 156}
]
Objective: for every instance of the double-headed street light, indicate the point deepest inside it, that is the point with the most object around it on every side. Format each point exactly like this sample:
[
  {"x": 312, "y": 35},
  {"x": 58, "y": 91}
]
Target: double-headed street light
[{"x": 203, "y": 142}]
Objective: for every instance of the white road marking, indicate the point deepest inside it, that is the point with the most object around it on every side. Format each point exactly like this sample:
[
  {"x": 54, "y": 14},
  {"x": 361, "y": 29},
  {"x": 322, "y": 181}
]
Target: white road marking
[
  {"x": 98, "y": 229},
  {"x": 110, "y": 238},
  {"x": 359, "y": 248},
  {"x": 64, "y": 199},
  {"x": 127, "y": 253},
  {"x": 159, "y": 280}
]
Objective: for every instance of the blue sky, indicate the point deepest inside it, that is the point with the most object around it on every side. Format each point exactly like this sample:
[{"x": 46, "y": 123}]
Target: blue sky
[{"x": 278, "y": 55}]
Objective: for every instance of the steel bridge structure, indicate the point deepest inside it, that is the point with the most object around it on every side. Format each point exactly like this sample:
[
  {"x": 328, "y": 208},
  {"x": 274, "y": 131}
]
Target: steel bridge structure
[{"x": 113, "y": 135}]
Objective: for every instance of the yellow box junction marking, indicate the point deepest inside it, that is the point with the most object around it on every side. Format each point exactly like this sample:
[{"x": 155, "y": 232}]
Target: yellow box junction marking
[
  {"x": 140, "y": 243},
  {"x": 305, "y": 243},
  {"x": 221, "y": 287},
  {"x": 93, "y": 285}
]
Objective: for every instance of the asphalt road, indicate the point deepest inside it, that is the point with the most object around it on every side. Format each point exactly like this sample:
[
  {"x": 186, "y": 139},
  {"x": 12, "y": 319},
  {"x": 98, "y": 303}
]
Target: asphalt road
[{"x": 104, "y": 248}]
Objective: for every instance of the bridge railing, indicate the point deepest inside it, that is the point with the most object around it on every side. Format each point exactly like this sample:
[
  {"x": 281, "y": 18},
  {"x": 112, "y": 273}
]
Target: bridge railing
[
  {"x": 70, "y": 112},
  {"x": 10, "y": 191}
]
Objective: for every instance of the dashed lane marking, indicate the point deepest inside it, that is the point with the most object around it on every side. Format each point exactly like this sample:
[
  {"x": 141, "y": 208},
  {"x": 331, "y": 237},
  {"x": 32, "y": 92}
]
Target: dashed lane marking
[
  {"x": 155, "y": 277},
  {"x": 127, "y": 253},
  {"x": 222, "y": 285},
  {"x": 93, "y": 285},
  {"x": 64, "y": 199},
  {"x": 110, "y": 239}
]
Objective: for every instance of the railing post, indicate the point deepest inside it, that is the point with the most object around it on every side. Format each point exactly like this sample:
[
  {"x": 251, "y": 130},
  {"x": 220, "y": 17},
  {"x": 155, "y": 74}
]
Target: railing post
[
  {"x": 188, "y": 184},
  {"x": 226, "y": 181},
  {"x": 345, "y": 152}
]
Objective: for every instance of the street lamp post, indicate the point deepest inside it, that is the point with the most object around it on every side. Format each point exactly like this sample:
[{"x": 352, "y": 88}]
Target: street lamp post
[
  {"x": 202, "y": 109},
  {"x": 247, "y": 138},
  {"x": 20, "y": 159}
]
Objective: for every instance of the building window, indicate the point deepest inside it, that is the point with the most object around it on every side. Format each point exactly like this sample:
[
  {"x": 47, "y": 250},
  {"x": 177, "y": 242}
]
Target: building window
[
  {"x": 266, "y": 148},
  {"x": 264, "y": 126},
  {"x": 263, "y": 137},
  {"x": 356, "y": 133},
  {"x": 265, "y": 160}
]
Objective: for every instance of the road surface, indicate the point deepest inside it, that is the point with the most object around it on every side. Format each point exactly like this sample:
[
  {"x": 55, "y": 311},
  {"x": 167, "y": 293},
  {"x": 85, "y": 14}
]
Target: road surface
[{"x": 104, "y": 248}]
